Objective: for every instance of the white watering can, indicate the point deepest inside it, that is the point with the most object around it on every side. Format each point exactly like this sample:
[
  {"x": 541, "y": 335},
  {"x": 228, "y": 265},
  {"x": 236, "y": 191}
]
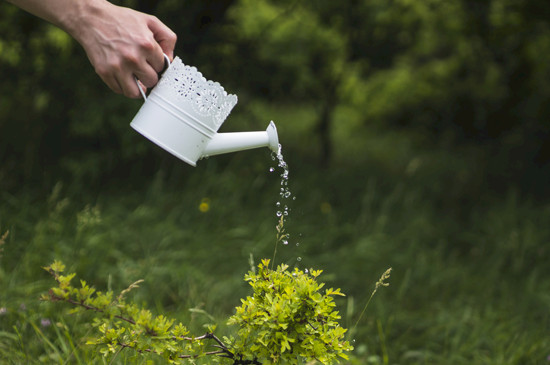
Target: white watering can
[{"x": 183, "y": 112}]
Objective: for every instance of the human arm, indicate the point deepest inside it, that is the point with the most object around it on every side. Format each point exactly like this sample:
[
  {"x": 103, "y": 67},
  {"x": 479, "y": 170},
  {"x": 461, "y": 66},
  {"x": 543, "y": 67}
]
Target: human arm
[{"x": 120, "y": 42}]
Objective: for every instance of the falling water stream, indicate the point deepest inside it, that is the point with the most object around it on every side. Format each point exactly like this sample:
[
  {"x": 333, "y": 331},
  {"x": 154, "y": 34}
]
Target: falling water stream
[
  {"x": 285, "y": 195},
  {"x": 282, "y": 207}
]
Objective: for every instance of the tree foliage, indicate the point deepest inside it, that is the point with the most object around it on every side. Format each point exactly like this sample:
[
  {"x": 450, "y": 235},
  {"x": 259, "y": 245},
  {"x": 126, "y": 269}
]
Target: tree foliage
[{"x": 468, "y": 71}]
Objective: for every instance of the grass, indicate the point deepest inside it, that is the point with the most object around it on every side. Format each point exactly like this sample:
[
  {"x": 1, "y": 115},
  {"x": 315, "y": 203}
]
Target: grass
[{"x": 470, "y": 281}]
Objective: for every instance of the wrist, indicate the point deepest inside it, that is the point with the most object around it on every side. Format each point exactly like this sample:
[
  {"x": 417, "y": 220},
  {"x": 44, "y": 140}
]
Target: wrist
[{"x": 80, "y": 16}]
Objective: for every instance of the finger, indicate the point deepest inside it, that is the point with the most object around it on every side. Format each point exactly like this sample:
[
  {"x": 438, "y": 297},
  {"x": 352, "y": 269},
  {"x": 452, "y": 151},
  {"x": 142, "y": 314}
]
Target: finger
[
  {"x": 129, "y": 86},
  {"x": 165, "y": 37},
  {"x": 156, "y": 59},
  {"x": 142, "y": 89},
  {"x": 111, "y": 81},
  {"x": 147, "y": 75}
]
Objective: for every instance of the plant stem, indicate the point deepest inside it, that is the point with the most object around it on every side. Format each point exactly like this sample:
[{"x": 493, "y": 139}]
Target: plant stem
[
  {"x": 381, "y": 282},
  {"x": 89, "y": 307}
]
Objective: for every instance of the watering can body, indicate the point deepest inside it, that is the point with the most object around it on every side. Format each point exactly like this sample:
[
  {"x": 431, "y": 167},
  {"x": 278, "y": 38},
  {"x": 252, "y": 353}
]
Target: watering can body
[{"x": 184, "y": 111}]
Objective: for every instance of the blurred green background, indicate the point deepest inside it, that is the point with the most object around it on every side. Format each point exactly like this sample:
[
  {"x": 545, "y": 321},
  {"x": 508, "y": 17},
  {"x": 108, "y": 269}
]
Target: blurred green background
[{"x": 417, "y": 137}]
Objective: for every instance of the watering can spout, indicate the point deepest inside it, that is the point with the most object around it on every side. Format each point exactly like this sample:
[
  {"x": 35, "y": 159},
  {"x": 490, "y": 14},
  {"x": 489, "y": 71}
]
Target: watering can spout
[{"x": 239, "y": 141}]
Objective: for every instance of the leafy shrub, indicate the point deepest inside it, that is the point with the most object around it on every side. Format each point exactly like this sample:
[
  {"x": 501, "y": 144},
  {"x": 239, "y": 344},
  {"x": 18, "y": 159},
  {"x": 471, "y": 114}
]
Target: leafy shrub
[{"x": 288, "y": 319}]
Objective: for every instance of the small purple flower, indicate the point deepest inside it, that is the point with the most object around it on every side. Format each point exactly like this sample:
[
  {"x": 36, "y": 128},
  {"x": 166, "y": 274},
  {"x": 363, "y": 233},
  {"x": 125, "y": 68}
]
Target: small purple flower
[{"x": 45, "y": 322}]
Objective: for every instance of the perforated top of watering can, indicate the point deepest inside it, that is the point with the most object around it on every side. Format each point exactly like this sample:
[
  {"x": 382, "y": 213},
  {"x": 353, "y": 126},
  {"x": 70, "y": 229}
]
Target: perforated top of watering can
[{"x": 190, "y": 93}]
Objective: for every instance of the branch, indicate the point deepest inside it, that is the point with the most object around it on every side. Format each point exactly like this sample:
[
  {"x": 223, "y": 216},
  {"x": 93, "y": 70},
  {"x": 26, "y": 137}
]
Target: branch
[
  {"x": 125, "y": 345},
  {"x": 218, "y": 352},
  {"x": 223, "y": 348},
  {"x": 224, "y": 351},
  {"x": 88, "y": 307}
]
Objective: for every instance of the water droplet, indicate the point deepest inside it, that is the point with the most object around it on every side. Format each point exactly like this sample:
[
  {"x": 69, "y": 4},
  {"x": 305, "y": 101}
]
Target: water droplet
[
  {"x": 299, "y": 258},
  {"x": 287, "y": 194},
  {"x": 306, "y": 271},
  {"x": 278, "y": 204},
  {"x": 297, "y": 244},
  {"x": 285, "y": 242},
  {"x": 271, "y": 169},
  {"x": 279, "y": 213}
]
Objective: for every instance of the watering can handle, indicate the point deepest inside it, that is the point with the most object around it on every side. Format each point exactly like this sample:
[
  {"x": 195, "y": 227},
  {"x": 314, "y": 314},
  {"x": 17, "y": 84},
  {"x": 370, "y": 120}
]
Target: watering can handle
[{"x": 166, "y": 65}]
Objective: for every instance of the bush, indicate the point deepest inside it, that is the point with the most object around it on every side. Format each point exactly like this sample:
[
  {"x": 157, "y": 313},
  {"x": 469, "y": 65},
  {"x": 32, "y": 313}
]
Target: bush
[{"x": 288, "y": 319}]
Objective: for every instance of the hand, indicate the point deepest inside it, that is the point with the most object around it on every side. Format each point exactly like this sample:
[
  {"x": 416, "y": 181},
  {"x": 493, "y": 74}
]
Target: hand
[{"x": 122, "y": 43}]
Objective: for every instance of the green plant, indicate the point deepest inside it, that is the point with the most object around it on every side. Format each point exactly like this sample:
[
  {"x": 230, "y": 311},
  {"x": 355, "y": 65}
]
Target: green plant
[{"x": 287, "y": 319}]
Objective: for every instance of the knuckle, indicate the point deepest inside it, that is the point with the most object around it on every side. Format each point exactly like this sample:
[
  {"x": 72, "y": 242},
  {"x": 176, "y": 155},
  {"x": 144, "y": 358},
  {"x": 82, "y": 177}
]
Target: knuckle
[
  {"x": 101, "y": 71},
  {"x": 147, "y": 44},
  {"x": 173, "y": 36},
  {"x": 105, "y": 69},
  {"x": 114, "y": 64},
  {"x": 150, "y": 81},
  {"x": 130, "y": 58},
  {"x": 134, "y": 94}
]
